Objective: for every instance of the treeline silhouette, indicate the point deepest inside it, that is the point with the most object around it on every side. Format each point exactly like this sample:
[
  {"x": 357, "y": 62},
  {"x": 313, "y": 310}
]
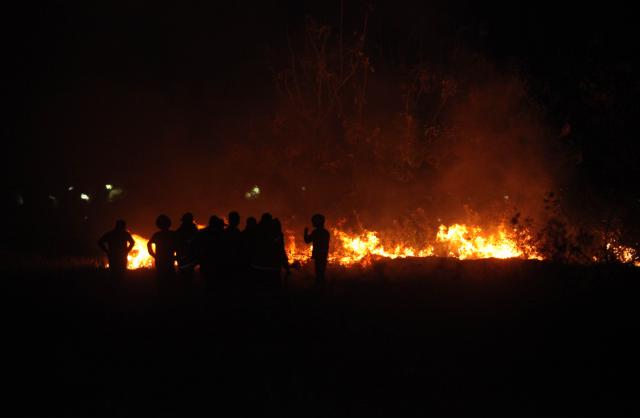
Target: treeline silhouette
[{"x": 224, "y": 253}]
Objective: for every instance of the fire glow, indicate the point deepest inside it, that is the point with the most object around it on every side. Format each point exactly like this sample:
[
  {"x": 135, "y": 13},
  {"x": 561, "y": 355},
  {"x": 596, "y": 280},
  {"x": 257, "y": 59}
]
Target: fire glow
[
  {"x": 139, "y": 256},
  {"x": 362, "y": 248}
]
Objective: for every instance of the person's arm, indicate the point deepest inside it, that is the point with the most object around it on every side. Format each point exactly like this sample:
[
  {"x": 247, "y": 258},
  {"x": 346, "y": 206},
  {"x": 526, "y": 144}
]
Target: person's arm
[
  {"x": 308, "y": 238},
  {"x": 150, "y": 243},
  {"x": 102, "y": 244},
  {"x": 131, "y": 242}
]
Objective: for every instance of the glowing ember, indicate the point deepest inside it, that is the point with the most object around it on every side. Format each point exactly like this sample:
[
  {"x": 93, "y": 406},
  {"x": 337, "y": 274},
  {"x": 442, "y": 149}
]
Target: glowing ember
[{"x": 623, "y": 254}]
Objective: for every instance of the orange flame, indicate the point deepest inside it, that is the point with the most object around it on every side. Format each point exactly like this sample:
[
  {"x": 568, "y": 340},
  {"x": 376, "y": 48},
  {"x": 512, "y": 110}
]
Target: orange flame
[
  {"x": 139, "y": 256},
  {"x": 361, "y": 248},
  {"x": 457, "y": 240},
  {"x": 465, "y": 242}
]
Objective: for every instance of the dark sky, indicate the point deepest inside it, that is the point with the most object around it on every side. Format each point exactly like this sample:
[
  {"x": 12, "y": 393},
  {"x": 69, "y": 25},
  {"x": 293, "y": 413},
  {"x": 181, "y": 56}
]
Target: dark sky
[{"x": 112, "y": 78}]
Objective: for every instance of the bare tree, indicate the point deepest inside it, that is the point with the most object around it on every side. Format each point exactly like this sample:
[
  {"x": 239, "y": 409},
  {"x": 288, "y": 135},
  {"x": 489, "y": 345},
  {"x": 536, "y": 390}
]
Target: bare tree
[{"x": 325, "y": 76}]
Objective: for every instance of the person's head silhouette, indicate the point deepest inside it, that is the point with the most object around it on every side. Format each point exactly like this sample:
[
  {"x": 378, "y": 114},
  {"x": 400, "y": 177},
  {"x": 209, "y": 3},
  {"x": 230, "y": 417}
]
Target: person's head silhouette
[
  {"x": 218, "y": 224},
  {"x": 213, "y": 221},
  {"x": 266, "y": 218},
  {"x": 121, "y": 225},
  {"x": 163, "y": 222},
  {"x": 251, "y": 222},
  {"x": 234, "y": 219},
  {"x": 317, "y": 220},
  {"x": 187, "y": 218}
]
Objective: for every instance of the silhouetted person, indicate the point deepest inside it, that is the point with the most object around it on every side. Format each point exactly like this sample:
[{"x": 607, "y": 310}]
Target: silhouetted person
[
  {"x": 117, "y": 243},
  {"x": 250, "y": 224},
  {"x": 232, "y": 247},
  {"x": 165, "y": 247},
  {"x": 267, "y": 259},
  {"x": 185, "y": 234},
  {"x": 208, "y": 247},
  {"x": 319, "y": 238},
  {"x": 249, "y": 241},
  {"x": 261, "y": 247}
]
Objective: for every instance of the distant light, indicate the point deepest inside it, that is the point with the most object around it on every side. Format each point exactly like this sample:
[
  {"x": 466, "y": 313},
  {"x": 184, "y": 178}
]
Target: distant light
[
  {"x": 84, "y": 197},
  {"x": 115, "y": 193},
  {"x": 303, "y": 188},
  {"x": 52, "y": 197},
  {"x": 506, "y": 197},
  {"x": 253, "y": 193},
  {"x": 70, "y": 188},
  {"x": 108, "y": 186}
]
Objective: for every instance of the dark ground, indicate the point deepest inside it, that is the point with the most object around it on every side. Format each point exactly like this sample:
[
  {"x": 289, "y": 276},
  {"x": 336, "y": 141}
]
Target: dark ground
[{"x": 434, "y": 338}]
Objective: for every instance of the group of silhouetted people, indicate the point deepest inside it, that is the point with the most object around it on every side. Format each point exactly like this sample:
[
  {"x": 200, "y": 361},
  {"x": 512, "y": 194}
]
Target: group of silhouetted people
[{"x": 225, "y": 253}]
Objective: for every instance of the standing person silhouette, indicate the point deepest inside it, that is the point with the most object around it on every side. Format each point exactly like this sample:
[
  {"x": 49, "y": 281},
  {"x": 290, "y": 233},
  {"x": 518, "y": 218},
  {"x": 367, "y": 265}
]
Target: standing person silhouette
[
  {"x": 232, "y": 249},
  {"x": 185, "y": 234},
  {"x": 117, "y": 243},
  {"x": 165, "y": 247},
  {"x": 207, "y": 246},
  {"x": 266, "y": 262},
  {"x": 319, "y": 238},
  {"x": 249, "y": 241}
]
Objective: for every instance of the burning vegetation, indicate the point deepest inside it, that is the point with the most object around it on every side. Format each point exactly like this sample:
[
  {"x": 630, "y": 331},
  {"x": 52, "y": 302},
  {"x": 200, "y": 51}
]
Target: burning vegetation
[{"x": 457, "y": 241}]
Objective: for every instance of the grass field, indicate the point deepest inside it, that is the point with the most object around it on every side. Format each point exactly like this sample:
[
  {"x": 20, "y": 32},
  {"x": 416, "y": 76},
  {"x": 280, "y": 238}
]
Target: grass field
[{"x": 408, "y": 338}]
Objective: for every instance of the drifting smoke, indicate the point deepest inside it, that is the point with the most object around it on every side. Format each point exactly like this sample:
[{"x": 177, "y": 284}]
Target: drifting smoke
[
  {"x": 470, "y": 145},
  {"x": 499, "y": 152}
]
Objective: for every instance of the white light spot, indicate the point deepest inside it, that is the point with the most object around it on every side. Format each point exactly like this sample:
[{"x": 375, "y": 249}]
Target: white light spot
[
  {"x": 85, "y": 197},
  {"x": 253, "y": 193},
  {"x": 52, "y": 197},
  {"x": 70, "y": 188},
  {"x": 506, "y": 197},
  {"x": 108, "y": 186}
]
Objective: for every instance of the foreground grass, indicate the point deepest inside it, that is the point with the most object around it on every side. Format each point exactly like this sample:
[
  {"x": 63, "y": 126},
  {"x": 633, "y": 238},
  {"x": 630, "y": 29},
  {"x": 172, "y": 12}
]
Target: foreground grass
[{"x": 433, "y": 337}]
